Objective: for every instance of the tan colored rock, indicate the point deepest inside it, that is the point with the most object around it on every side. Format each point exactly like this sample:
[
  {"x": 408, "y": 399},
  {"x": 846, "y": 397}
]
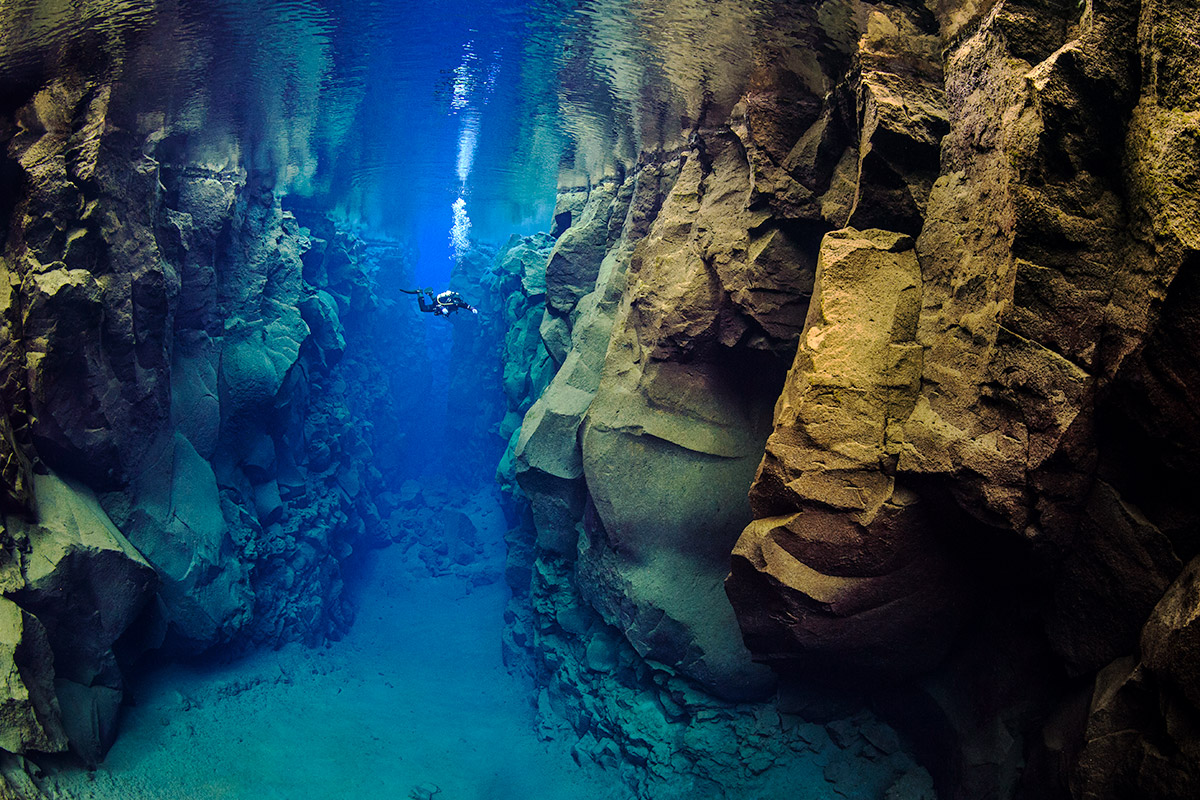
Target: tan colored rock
[
  {"x": 1012, "y": 311},
  {"x": 840, "y": 570},
  {"x": 673, "y": 422},
  {"x": 776, "y": 105},
  {"x": 903, "y": 117},
  {"x": 545, "y": 454},
  {"x": 672, "y": 435},
  {"x": 669, "y": 515},
  {"x": 715, "y": 268},
  {"x": 575, "y": 260}
]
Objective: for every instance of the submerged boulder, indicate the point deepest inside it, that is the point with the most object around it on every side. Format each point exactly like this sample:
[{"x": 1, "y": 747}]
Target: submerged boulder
[
  {"x": 255, "y": 359},
  {"x": 173, "y": 514},
  {"x": 87, "y": 585},
  {"x": 320, "y": 313},
  {"x": 29, "y": 711},
  {"x": 82, "y": 578}
]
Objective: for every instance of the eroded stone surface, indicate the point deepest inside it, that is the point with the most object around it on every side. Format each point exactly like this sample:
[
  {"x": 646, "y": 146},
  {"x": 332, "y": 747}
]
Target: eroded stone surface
[
  {"x": 153, "y": 300},
  {"x": 29, "y": 711},
  {"x": 841, "y": 570},
  {"x": 1024, "y": 406},
  {"x": 86, "y": 584}
]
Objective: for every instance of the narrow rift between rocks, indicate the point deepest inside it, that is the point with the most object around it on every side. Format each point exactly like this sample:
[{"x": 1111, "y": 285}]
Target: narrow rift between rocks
[{"x": 810, "y": 411}]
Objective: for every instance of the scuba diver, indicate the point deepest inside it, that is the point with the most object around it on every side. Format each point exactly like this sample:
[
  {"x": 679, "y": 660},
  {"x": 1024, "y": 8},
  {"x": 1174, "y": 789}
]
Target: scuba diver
[{"x": 443, "y": 304}]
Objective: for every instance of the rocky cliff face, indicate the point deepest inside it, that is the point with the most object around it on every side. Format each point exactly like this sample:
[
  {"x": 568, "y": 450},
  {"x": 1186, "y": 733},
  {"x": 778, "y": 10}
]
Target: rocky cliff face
[
  {"x": 634, "y": 649},
  {"x": 1046, "y": 250},
  {"x": 856, "y": 419},
  {"x": 185, "y": 465},
  {"x": 966, "y": 235}
]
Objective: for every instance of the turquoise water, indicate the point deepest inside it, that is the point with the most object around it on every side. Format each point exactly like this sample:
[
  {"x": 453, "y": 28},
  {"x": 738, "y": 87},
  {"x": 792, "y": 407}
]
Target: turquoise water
[{"x": 415, "y": 696}]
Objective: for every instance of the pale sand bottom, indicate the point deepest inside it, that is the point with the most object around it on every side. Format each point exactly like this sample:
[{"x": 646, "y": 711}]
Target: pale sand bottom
[{"x": 415, "y": 694}]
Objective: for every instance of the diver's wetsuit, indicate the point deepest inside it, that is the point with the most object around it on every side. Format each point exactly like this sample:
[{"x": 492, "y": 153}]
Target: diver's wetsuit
[{"x": 443, "y": 304}]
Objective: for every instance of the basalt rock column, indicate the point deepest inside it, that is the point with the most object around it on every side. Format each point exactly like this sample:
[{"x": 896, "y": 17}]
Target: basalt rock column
[
  {"x": 595, "y": 595},
  {"x": 844, "y": 555},
  {"x": 1046, "y": 247}
]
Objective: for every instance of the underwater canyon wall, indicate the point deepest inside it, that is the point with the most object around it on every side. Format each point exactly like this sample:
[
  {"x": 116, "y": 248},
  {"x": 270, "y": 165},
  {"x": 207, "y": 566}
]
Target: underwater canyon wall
[
  {"x": 940, "y": 273},
  {"x": 636, "y": 691},
  {"x": 903, "y": 322},
  {"x": 186, "y": 464}
]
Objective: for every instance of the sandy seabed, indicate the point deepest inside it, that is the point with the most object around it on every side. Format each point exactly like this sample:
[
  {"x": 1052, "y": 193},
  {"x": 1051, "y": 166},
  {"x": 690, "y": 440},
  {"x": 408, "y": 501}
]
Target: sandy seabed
[{"x": 414, "y": 703}]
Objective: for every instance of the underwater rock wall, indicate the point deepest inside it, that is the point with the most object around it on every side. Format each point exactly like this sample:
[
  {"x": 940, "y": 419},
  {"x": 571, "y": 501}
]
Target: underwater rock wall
[
  {"x": 968, "y": 232},
  {"x": 988, "y": 376},
  {"x": 633, "y": 645},
  {"x": 184, "y": 460}
]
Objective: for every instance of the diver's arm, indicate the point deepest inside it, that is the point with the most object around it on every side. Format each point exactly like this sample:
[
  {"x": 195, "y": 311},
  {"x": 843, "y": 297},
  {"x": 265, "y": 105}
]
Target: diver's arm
[{"x": 458, "y": 302}]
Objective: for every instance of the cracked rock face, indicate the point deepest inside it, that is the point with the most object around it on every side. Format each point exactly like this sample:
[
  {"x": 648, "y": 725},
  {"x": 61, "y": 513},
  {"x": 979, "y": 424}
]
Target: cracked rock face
[
  {"x": 975, "y": 224},
  {"x": 90, "y": 298},
  {"x": 86, "y": 584},
  {"x": 1051, "y": 281},
  {"x": 851, "y": 576},
  {"x": 931, "y": 269},
  {"x": 184, "y": 464},
  {"x": 29, "y": 710}
]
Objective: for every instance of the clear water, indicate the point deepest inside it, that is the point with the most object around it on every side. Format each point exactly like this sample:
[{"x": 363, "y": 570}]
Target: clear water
[
  {"x": 390, "y": 112},
  {"x": 430, "y": 122},
  {"x": 415, "y": 696}
]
